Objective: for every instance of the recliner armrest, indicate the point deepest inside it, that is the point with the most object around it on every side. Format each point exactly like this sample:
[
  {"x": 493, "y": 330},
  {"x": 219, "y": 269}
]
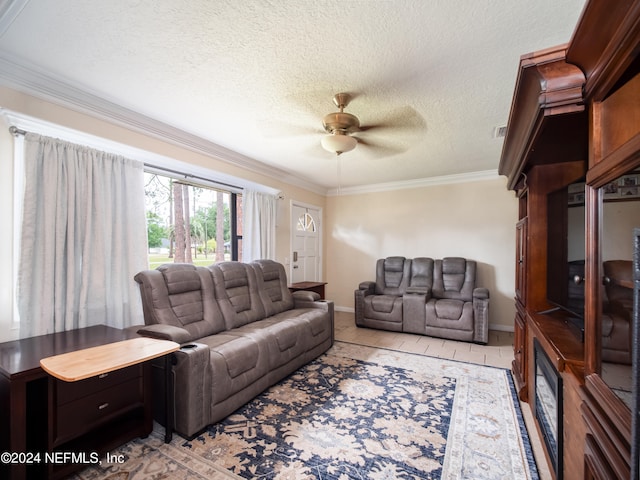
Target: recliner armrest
[
  {"x": 480, "y": 293},
  {"x": 165, "y": 332},
  {"x": 306, "y": 299},
  {"x": 420, "y": 291},
  {"x": 192, "y": 388},
  {"x": 305, "y": 296},
  {"x": 311, "y": 301},
  {"x": 368, "y": 287},
  {"x": 481, "y": 315}
]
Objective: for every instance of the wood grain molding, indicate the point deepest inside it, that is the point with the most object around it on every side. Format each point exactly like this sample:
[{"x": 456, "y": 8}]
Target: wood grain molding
[
  {"x": 546, "y": 87},
  {"x": 604, "y": 44}
]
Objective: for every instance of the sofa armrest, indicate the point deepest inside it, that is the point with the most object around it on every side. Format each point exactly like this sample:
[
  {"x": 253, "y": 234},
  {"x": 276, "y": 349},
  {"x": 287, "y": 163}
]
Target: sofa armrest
[
  {"x": 311, "y": 300},
  {"x": 364, "y": 289},
  {"x": 420, "y": 291},
  {"x": 481, "y": 293},
  {"x": 414, "y": 312},
  {"x": 368, "y": 287},
  {"x": 481, "y": 315},
  {"x": 193, "y": 381},
  {"x": 305, "y": 296},
  {"x": 165, "y": 332}
]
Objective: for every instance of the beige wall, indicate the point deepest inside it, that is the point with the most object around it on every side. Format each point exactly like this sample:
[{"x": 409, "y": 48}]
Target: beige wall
[
  {"x": 7, "y": 329},
  {"x": 472, "y": 219},
  {"x": 33, "y": 107}
]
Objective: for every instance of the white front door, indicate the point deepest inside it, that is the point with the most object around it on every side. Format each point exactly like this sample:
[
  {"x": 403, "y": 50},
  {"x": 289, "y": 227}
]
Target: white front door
[{"x": 306, "y": 225}]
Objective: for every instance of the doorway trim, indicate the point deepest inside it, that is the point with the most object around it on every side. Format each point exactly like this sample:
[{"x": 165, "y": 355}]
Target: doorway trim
[{"x": 292, "y": 227}]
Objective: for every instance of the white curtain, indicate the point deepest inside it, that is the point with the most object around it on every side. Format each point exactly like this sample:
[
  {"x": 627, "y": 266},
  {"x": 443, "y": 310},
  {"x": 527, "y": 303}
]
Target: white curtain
[
  {"x": 83, "y": 238},
  {"x": 259, "y": 226}
]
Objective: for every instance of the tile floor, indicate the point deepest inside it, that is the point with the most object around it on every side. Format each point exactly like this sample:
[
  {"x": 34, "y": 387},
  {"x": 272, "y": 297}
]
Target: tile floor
[{"x": 497, "y": 353}]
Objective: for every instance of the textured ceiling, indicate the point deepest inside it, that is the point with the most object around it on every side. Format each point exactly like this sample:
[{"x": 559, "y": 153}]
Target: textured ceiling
[{"x": 257, "y": 76}]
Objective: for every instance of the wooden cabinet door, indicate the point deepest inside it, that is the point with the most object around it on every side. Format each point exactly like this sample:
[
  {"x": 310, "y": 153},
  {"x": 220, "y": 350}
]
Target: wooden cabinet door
[
  {"x": 519, "y": 366},
  {"x": 521, "y": 261}
]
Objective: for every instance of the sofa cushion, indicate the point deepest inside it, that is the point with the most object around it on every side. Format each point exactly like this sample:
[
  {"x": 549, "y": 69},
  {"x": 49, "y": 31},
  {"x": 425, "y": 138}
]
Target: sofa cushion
[
  {"x": 421, "y": 278},
  {"x": 454, "y": 277},
  {"x": 387, "y": 308},
  {"x": 237, "y": 293},
  {"x": 449, "y": 314},
  {"x": 180, "y": 278},
  {"x": 392, "y": 275},
  {"x": 181, "y": 295},
  {"x": 240, "y": 355},
  {"x": 272, "y": 285},
  {"x": 450, "y": 309},
  {"x": 314, "y": 321},
  {"x": 185, "y": 291},
  {"x": 236, "y": 362},
  {"x": 453, "y": 270},
  {"x": 383, "y": 303}
]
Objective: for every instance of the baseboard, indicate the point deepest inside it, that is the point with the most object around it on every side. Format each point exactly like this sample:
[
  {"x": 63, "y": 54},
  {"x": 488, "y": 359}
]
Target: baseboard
[
  {"x": 344, "y": 309},
  {"x": 501, "y": 328},
  {"x": 492, "y": 326}
]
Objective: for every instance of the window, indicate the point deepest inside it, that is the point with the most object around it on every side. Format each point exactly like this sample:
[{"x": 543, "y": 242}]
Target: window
[
  {"x": 189, "y": 223},
  {"x": 306, "y": 223}
]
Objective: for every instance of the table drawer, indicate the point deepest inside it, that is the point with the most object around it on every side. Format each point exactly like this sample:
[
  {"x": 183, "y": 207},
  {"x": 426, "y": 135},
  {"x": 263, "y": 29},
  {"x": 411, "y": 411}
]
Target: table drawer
[
  {"x": 70, "y": 391},
  {"x": 82, "y": 415}
]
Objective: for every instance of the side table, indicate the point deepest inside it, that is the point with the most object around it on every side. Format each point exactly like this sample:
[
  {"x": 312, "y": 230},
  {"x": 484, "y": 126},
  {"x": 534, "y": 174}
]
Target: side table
[
  {"x": 31, "y": 399},
  {"x": 317, "y": 287},
  {"x": 101, "y": 360}
]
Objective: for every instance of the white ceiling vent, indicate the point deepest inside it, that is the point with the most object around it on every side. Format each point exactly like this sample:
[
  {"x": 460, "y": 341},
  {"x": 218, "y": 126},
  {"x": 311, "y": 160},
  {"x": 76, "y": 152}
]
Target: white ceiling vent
[{"x": 500, "y": 132}]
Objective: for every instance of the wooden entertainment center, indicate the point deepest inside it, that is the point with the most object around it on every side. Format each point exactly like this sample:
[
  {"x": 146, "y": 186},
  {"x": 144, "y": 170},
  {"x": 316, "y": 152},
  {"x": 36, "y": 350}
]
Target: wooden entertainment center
[{"x": 572, "y": 156}]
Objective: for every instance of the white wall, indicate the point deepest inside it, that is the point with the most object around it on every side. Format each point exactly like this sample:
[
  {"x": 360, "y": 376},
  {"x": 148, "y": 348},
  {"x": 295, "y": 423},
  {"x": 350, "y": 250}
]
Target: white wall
[{"x": 475, "y": 220}]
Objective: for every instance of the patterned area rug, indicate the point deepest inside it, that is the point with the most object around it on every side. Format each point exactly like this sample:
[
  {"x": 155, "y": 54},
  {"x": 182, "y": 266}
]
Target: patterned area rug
[{"x": 356, "y": 412}]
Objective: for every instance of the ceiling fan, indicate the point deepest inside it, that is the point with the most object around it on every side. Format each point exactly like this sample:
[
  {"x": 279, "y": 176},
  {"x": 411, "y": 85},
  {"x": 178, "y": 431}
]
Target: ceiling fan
[{"x": 339, "y": 127}]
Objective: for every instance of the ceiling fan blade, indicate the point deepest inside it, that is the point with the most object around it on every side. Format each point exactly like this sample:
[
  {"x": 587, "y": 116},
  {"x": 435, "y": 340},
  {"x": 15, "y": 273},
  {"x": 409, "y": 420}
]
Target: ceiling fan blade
[
  {"x": 381, "y": 149},
  {"x": 403, "y": 118},
  {"x": 276, "y": 129}
]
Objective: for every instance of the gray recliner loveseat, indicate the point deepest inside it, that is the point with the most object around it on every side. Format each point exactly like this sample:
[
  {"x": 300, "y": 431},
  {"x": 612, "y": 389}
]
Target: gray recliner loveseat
[
  {"x": 438, "y": 298},
  {"x": 240, "y": 329}
]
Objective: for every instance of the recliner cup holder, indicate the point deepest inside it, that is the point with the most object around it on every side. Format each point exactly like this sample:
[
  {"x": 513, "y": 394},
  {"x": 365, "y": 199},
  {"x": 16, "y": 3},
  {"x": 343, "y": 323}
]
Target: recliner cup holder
[{"x": 188, "y": 346}]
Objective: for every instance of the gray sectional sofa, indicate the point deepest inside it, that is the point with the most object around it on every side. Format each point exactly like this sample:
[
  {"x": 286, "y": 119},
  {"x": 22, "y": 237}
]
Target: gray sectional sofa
[
  {"x": 438, "y": 298},
  {"x": 240, "y": 328}
]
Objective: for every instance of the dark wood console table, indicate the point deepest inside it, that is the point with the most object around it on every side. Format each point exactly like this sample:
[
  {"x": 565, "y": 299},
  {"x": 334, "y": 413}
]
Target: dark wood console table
[{"x": 40, "y": 413}]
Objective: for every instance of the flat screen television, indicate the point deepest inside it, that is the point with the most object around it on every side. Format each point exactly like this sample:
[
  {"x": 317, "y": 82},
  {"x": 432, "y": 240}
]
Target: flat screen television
[{"x": 566, "y": 252}]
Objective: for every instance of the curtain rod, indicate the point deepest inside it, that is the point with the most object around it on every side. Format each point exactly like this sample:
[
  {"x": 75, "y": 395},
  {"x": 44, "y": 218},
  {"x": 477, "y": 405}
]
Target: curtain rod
[
  {"x": 16, "y": 131},
  {"x": 190, "y": 176}
]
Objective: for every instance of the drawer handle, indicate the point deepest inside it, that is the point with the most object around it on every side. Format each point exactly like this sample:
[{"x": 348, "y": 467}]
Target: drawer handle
[
  {"x": 103, "y": 375},
  {"x": 103, "y": 406}
]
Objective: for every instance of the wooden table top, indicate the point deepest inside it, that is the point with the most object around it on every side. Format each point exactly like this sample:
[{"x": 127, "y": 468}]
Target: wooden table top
[
  {"x": 21, "y": 358},
  {"x": 303, "y": 285},
  {"x": 89, "y": 362}
]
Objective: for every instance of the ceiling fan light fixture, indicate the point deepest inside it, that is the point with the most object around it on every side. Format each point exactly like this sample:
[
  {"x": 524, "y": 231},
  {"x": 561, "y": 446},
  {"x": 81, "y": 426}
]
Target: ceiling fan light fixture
[{"x": 338, "y": 143}]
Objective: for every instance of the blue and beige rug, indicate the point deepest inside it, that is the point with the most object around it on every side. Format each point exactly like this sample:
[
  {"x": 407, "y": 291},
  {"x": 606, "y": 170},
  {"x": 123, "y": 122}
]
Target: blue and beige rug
[{"x": 355, "y": 412}]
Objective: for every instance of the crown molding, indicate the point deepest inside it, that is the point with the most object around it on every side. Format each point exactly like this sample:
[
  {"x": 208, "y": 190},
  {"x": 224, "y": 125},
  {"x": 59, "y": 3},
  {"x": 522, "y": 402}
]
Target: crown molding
[
  {"x": 416, "y": 183},
  {"x": 29, "y": 80},
  {"x": 153, "y": 162}
]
